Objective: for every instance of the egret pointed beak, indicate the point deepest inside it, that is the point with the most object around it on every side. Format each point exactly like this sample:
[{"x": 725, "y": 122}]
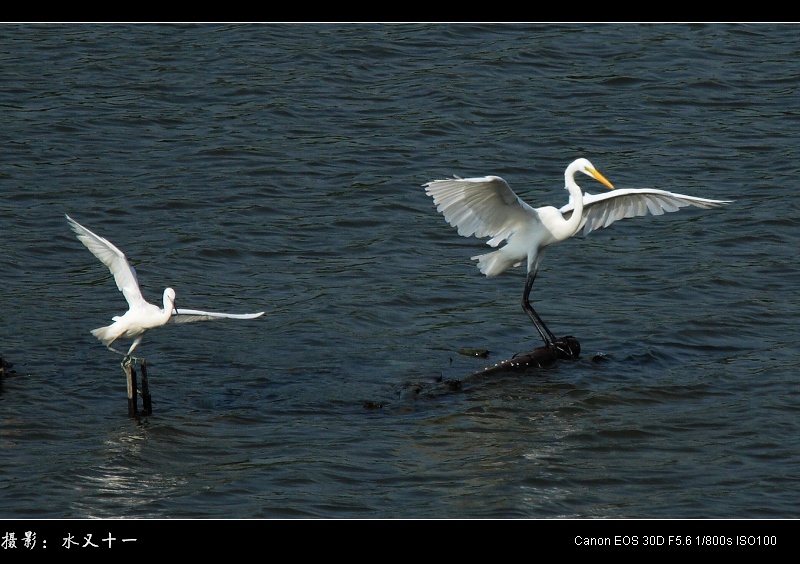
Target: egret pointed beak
[{"x": 600, "y": 178}]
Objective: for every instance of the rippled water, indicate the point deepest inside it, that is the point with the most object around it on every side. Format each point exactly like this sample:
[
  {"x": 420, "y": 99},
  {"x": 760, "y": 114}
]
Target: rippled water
[{"x": 279, "y": 168}]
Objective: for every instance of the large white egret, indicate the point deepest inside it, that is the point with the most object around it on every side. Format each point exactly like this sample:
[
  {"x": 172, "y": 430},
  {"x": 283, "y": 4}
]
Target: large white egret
[
  {"x": 487, "y": 207},
  {"x": 141, "y": 315}
]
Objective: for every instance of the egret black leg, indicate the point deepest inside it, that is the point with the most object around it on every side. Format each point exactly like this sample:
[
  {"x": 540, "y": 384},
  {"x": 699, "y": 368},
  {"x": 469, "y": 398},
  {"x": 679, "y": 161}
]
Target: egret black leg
[
  {"x": 547, "y": 336},
  {"x": 112, "y": 349}
]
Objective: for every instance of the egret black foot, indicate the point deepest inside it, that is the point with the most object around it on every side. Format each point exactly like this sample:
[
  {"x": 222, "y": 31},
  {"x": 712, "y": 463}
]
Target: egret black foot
[
  {"x": 128, "y": 360},
  {"x": 566, "y": 348}
]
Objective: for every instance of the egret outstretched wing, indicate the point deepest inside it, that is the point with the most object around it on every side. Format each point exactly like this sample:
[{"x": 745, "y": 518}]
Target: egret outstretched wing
[
  {"x": 484, "y": 207},
  {"x": 116, "y": 261},
  {"x": 188, "y": 315},
  {"x": 601, "y": 210}
]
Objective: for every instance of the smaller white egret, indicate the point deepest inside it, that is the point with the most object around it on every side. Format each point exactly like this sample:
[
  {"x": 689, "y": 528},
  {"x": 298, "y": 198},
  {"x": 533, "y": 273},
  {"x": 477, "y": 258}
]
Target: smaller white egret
[
  {"x": 487, "y": 207},
  {"x": 141, "y": 315}
]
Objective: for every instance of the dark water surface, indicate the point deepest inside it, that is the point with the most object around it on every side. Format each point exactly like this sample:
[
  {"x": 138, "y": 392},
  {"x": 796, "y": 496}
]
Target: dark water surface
[{"x": 279, "y": 168}]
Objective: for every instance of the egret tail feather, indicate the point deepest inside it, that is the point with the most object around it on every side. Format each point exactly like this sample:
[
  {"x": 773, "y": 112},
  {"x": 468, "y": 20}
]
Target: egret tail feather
[
  {"x": 496, "y": 262},
  {"x": 104, "y": 335}
]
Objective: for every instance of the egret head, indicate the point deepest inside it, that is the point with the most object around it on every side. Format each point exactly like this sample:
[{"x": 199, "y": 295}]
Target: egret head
[
  {"x": 169, "y": 299},
  {"x": 588, "y": 169}
]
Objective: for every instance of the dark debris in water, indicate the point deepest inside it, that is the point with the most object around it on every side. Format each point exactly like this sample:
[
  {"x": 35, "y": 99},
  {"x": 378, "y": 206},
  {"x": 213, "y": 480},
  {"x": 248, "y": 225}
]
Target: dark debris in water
[
  {"x": 373, "y": 405},
  {"x": 480, "y": 353},
  {"x": 5, "y": 368}
]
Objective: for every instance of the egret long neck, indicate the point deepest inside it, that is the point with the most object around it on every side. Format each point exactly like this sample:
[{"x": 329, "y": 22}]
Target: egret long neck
[
  {"x": 169, "y": 305},
  {"x": 572, "y": 225}
]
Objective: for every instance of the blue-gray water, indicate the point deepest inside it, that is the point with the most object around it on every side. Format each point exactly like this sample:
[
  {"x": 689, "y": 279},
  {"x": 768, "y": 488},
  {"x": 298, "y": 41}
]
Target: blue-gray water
[{"x": 279, "y": 168}]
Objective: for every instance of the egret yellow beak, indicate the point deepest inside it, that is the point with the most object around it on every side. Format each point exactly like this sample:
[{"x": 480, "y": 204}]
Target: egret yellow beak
[{"x": 600, "y": 178}]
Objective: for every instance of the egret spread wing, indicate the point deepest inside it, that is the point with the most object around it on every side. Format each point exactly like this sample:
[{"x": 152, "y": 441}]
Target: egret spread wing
[
  {"x": 601, "y": 210},
  {"x": 189, "y": 315},
  {"x": 484, "y": 207},
  {"x": 114, "y": 259}
]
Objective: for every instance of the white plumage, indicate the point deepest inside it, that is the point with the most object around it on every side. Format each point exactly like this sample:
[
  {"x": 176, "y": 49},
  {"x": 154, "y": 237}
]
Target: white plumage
[
  {"x": 141, "y": 315},
  {"x": 487, "y": 207}
]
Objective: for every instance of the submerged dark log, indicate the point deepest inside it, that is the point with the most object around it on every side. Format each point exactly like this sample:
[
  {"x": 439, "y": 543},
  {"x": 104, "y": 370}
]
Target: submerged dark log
[
  {"x": 567, "y": 348},
  {"x": 411, "y": 393}
]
